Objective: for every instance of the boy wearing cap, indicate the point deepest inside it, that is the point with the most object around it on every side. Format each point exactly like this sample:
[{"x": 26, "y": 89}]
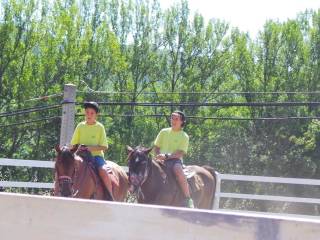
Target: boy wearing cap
[
  {"x": 92, "y": 134},
  {"x": 171, "y": 145}
]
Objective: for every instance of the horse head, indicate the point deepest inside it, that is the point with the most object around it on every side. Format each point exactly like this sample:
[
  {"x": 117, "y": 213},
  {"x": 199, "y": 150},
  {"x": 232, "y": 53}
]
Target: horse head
[
  {"x": 65, "y": 169},
  {"x": 139, "y": 164}
]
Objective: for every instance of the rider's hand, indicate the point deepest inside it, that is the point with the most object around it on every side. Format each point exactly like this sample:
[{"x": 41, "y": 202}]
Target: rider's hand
[
  {"x": 89, "y": 148},
  {"x": 83, "y": 148},
  {"x": 161, "y": 157}
]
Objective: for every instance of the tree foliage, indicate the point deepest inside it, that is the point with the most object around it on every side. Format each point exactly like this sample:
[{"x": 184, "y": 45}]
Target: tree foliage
[{"x": 133, "y": 47}]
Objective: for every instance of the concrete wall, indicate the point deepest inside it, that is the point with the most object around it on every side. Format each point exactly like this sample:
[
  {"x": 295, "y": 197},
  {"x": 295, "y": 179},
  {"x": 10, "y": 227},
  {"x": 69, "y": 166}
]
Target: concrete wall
[{"x": 46, "y": 218}]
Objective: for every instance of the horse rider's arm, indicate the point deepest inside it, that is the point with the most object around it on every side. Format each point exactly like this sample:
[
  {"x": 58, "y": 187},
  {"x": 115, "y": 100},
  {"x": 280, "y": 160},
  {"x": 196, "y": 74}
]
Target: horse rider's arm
[
  {"x": 159, "y": 156},
  {"x": 156, "y": 150},
  {"x": 176, "y": 155},
  {"x": 97, "y": 148}
]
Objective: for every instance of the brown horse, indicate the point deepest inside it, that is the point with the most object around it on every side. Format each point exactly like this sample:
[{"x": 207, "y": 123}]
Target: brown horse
[
  {"x": 76, "y": 177},
  {"x": 153, "y": 183}
]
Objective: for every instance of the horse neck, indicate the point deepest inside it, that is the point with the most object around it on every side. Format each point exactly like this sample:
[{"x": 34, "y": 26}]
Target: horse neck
[
  {"x": 83, "y": 178},
  {"x": 154, "y": 179},
  {"x": 80, "y": 165}
]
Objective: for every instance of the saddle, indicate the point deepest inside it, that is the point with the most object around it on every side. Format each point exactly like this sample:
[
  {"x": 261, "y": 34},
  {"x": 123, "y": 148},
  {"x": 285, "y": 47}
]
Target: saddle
[
  {"x": 87, "y": 157},
  {"x": 194, "y": 181}
]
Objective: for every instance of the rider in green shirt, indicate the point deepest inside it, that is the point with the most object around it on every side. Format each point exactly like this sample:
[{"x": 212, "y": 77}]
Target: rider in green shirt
[
  {"x": 92, "y": 134},
  {"x": 171, "y": 145}
]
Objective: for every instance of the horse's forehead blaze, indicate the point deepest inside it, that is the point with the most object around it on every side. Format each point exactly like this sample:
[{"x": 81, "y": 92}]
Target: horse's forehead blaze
[
  {"x": 136, "y": 159},
  {"x": 139, "y": 157}
]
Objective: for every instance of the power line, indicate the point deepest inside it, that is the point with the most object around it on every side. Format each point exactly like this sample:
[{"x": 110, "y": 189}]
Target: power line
[
  {"x": 255, "y": 119},
  {"x": 29, "y": 110},
  {"x": 201, "y": 93},
  {"x": 212, "y": 104},
  {"x": 45, "y": 97},
  {"x": 210, "y": 118},
  {"x": 32, "y": 121}
]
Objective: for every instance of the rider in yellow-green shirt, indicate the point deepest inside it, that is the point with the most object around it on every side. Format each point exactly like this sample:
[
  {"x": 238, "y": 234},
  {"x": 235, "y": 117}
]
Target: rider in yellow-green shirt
[
  {"x": 171, "y": 145},
  {"x": 92, "y": 134}
]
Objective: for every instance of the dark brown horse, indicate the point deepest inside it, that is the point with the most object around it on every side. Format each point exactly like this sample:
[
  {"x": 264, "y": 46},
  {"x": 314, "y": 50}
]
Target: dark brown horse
[
  {"x": 153, "y": 183},
  {"x": 76, "y": 177}
]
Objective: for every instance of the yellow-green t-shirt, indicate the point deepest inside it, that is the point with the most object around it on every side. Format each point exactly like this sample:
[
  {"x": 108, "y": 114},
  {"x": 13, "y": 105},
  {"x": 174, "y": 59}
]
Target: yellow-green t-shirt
[
  {"x": 90, "y": 135},
  {"x": 170, "y": 141}
]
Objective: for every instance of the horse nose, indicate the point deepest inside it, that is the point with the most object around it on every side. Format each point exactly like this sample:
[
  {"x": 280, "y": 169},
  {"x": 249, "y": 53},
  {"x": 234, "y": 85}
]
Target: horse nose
[
  {"x": 131, "y": 188},
  {"x": 66, "y": 193},
  {"x": 134, "y": 183},
  {"x": 135, "y": 179},
  {"x": 66, "y": 190}
]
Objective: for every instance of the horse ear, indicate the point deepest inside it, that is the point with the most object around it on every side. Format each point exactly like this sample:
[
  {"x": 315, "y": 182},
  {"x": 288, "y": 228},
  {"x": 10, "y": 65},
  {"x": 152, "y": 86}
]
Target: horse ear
[
  {"x": 57, "y": 148},
  {"x": 148, "y": 150},
  {"x": 129, "y": 149}
]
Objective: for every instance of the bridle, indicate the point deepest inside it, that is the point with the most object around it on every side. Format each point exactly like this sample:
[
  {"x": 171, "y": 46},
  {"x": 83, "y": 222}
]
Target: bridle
[
  {"x": 137, "y": 180},
  {"x": 64, "y": 179}
]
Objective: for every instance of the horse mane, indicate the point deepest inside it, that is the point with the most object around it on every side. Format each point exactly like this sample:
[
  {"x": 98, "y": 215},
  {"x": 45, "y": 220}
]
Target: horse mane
[
  {"x": 143, "y": 149},
  {"x": 140, "y": 148}
]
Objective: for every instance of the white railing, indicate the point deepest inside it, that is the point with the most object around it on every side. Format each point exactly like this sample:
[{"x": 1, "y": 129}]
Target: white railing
[
  {"x": 218, "y": 195},
  {"x": 299, "y": 181},
  {"x": 28, "y": 163}
]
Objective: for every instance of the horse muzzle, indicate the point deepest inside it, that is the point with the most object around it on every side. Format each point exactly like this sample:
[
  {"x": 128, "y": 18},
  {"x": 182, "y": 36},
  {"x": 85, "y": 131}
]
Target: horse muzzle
[
  {"x": 65, "y": 185},
  {"x": 132, "y": 188}
]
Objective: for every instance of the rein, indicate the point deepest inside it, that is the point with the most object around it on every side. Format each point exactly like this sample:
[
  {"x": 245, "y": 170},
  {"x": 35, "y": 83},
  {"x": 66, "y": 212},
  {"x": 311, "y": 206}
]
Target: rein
[{"x": 67, "y": 179}]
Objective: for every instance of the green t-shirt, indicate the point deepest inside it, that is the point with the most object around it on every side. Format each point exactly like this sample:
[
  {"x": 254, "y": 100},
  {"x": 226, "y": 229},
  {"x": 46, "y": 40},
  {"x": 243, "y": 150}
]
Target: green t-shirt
[
  {"x": 170, "y": 141},
  {"x": 90, "y": 135}
]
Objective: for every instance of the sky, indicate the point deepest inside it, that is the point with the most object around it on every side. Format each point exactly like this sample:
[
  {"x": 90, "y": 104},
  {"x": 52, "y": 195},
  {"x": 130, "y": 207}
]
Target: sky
[{"x": 248, "y": 15}]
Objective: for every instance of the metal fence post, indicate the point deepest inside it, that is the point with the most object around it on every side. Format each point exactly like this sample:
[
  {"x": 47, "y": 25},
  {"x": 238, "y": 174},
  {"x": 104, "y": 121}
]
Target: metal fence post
[
  {"x": 216, "y": 200},
  {"x": 68, "y": 114}
]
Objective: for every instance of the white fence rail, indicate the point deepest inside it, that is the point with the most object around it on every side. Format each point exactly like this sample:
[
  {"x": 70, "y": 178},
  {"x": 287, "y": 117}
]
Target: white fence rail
[
  {"x": 218, "y": 195},
  {"x": 298, "y": 181},
  {"x": 302, "y": 181},
  {"x": 26, "y": 163},
  {"x": 15, "y": 184}
]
